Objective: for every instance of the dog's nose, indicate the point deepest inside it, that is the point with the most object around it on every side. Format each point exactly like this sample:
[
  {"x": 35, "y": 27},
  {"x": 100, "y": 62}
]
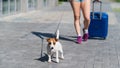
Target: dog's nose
[{"x": 51, "y": 47}]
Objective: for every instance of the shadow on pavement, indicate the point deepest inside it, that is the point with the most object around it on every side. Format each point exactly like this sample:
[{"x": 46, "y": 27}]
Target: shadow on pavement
[
  {"x": 96, "y": 38},
  {"x": 50, "y": 35},
  {"x": 43, "y": 58}
]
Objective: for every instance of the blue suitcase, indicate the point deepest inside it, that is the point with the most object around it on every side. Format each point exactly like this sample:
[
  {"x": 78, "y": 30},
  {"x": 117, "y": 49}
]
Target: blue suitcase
[{"x": 98, "y": 27}]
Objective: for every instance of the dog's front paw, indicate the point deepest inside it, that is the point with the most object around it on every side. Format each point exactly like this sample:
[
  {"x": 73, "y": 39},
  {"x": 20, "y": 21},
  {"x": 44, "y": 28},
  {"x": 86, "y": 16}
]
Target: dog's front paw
[
  {"x": 49, "y": 61},
  {"x": 57, "y": 60},
  {"x": 62, "y": 58}
]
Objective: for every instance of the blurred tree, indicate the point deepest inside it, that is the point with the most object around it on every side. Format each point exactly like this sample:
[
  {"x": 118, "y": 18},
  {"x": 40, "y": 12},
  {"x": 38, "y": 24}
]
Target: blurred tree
[{"x": 118, "y": 0}]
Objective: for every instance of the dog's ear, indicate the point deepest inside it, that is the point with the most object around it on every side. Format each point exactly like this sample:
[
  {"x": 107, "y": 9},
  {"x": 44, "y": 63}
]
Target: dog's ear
[
  {"x": 48, "y": 39},
  {"x": 56, "y": 39}
]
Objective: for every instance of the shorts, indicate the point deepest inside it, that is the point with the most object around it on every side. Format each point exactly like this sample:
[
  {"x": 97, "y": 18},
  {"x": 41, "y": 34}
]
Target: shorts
[{"x": 79, "y": 0}]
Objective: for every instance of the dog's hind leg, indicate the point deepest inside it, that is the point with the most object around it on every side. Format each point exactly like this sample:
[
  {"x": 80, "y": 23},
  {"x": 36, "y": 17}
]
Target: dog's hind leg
[{"x": 61, "y": 54}]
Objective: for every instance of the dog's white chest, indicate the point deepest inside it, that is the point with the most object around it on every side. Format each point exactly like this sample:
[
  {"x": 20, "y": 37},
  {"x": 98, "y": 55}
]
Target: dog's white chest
[{"x": 58, "y": 46}]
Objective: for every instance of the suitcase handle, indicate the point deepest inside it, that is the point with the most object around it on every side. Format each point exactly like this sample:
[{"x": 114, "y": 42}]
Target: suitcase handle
[{"x": 100, "y": 8}]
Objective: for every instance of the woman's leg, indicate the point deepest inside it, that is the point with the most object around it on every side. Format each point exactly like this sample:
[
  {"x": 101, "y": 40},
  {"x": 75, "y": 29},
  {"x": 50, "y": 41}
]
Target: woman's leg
[
  {"x": 76, "y": 6},
  {"x": 86, "y": 13},
  {"x": 85, "y": 6},
  {"x": 76, "y": 11}
]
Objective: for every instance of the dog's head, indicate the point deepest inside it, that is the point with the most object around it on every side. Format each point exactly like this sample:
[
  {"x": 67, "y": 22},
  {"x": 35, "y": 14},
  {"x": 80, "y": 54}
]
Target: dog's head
[{"x": 52, "y": 42}]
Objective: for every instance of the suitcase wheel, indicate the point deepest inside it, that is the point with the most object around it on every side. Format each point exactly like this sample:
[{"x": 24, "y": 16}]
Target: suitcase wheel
[
  {"x": 99, "y": 38},
  {"x": 104, "y": 38}
]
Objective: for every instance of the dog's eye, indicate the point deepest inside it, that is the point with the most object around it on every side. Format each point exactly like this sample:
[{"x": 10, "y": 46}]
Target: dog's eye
[
  {"x": 54, "y": 43},
  {"x": 49, "y": 43}
]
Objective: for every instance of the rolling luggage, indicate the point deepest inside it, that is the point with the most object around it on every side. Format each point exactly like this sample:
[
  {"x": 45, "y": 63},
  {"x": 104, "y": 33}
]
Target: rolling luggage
[{"x": 98, "y": 27}]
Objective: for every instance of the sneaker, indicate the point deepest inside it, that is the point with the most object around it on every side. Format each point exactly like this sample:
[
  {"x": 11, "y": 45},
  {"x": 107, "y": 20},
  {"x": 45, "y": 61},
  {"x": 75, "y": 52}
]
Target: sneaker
[
  {"x": 79, "y": 39},
  {"x": 85, "y": 37}
]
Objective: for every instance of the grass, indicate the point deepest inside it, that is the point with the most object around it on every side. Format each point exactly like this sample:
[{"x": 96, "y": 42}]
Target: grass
[
  {"x": 59, "y": 2},
  {"x": 116, "y": 9},
  {"x": 115, "y": 0},
  {"x": 118, "y": 0}
]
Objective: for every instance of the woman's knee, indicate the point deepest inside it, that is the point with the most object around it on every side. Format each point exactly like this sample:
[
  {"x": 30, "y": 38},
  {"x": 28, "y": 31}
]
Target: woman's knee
[
  {"x": 87, "y": 20},
  {"x": 77, "y": 17}
]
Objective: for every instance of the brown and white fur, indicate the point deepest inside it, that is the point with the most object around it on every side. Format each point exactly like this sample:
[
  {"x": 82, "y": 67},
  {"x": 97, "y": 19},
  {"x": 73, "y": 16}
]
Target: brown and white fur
[{"x": 54, "y": 47}]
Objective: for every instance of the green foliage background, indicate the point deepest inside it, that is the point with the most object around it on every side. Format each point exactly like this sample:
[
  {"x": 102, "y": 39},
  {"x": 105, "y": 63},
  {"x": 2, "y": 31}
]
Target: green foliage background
[{"x": 118, "y": 0}]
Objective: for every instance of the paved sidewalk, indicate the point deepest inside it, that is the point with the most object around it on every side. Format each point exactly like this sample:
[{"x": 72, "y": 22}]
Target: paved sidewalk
[{"x": 21, "y": 38}]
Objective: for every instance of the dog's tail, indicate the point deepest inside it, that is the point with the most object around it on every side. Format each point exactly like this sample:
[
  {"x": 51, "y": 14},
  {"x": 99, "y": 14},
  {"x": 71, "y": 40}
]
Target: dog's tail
[{"x": 57, "y": 34}]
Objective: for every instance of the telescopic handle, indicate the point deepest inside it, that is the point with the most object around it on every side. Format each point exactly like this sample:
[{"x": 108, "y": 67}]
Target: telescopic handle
[{"x": 93, "y": 10}]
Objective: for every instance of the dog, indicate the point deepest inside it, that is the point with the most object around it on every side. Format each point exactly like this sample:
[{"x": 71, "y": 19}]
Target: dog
[{"x": 54, "y": 47}]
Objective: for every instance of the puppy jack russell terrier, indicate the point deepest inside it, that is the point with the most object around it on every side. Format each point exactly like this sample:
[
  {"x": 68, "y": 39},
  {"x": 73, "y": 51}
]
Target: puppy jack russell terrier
[{"x": 54, "y": 47}]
